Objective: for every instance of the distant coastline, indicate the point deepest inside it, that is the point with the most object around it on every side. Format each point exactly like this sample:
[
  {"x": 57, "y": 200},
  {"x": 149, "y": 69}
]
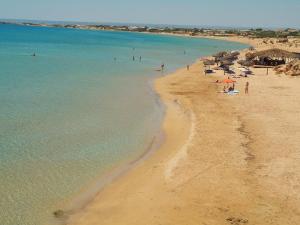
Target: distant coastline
[{"x": 174, "y": 30}]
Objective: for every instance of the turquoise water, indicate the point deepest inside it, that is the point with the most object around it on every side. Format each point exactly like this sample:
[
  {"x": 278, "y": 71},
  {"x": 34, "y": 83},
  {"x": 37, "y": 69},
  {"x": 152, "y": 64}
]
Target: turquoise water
[{"x": 72, "y": 112}]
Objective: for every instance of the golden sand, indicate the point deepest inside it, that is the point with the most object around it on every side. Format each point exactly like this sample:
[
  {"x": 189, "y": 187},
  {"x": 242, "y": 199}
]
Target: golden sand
[{"x": 226, "y": 159}]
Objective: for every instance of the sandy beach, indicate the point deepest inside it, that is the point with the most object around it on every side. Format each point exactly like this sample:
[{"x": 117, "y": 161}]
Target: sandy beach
[{"x": 225, "y": 160}]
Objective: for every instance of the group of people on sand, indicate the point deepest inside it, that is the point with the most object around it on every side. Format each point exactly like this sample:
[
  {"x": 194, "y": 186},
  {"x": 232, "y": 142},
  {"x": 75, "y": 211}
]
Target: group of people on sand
[
  {"x": 232, "y": 88},
  {"x": 229, "y": 89}
]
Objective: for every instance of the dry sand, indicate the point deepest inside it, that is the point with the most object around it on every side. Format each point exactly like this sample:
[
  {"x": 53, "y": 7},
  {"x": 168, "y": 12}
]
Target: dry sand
[
  {"x": 261, "y": 43},
  {"x": 226, "y": 159}
]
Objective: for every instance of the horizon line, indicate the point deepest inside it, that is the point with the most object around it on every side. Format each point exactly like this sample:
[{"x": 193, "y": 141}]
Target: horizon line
[{"x": 153, "y": 24}]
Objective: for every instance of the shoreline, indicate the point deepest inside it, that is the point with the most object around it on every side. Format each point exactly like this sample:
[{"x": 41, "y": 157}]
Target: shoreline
[
  {"x": 215, "y": 165},
  {"x": 195, "y": 132},
  {"x": 224, "y": 159},
  {"x": 87, "y": 196},
  {"x": 170, "y": 109},
  {"x": 199, "y": 126},
  {"x": 172, "y": 112}
]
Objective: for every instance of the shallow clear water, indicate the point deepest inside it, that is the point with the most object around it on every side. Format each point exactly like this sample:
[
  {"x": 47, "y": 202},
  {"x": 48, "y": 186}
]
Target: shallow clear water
[{"x": 72, "y": 112}]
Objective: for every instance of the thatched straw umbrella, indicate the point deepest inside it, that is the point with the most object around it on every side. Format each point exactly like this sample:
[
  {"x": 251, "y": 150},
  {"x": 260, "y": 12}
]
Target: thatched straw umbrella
[
  {"x": 225, "y": 65},
  {"x": 273, "y": 53},
  {"x": 220, "y": 54},
  {"x": 229, "y": 57},
  {"x": 218, "y": 57},
  {"x": 208, "y": 62},
  {"x": 235, "y": 53},
  {"x": 245, "y": 63}
]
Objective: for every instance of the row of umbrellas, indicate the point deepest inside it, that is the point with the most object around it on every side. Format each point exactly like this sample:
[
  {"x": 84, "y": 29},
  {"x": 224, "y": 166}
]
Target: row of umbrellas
[{"x": 222, "y": 58}]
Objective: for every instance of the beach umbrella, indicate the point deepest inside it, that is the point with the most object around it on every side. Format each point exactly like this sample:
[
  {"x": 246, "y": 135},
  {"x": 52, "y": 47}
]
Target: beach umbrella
[
  {"x": 229, "y": 57},
  {"x": 245, "y": 63},
  {"x": 228, "y": 81},
  {"x": 235, "y": 53},
  {"x": 208, "y": 62},
  {"x": 218, "y": 57},
  {"x": 227, "y": 63},
  {"x": 220, "y": 54}
]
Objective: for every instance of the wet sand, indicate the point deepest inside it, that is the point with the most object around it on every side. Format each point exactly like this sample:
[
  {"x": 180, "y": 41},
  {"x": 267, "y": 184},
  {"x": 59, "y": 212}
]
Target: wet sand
[{"x": 225, "y": 160}]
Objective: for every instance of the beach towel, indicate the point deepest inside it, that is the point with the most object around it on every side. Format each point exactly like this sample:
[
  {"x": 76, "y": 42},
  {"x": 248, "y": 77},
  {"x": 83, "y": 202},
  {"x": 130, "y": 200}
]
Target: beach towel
[{"x": 235, "y": 92}]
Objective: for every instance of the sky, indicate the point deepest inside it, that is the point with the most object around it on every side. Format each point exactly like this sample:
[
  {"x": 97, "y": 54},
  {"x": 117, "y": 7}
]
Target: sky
[{"x": 231, "y": 13}]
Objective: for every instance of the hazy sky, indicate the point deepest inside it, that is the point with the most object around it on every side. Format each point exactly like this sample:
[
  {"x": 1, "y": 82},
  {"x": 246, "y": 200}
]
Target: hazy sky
[{"x": 275, "y": 13}]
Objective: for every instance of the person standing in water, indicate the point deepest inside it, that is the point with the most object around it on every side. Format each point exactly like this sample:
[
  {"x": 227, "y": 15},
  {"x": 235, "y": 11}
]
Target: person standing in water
[
  {"x": 140, "y": 58},
  {"x": 162, "y": 67},
  {"x": 133, "y": 58},
  {"x": 247, "y": 88}
]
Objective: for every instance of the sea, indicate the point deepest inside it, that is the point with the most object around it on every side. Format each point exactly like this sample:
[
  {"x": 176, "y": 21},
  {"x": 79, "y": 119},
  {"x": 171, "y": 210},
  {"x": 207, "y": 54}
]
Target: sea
[{"x": 75, "y": 105}]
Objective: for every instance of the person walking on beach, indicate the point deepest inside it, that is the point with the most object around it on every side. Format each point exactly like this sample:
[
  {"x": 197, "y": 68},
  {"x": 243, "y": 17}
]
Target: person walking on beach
[
  {"x": 188, "y": 67},
  {"x": 247, "y": 87}
]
